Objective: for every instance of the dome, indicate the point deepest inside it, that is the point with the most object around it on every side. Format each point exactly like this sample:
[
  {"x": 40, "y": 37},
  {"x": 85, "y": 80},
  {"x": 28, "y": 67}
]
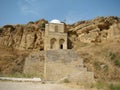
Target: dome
[{"x": 55, "y": 21}]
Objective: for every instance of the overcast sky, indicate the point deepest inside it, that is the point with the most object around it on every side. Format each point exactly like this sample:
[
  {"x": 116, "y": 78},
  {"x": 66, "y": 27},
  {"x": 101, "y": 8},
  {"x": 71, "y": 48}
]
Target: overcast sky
[{"x": 23, "y": 11}]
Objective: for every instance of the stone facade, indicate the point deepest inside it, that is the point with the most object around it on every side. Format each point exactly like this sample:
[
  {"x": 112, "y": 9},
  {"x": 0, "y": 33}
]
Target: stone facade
[
  {"x": 57, "y": 62},
  {"x": 57, "y": 65},
  {"x": 55, "y": 36}
]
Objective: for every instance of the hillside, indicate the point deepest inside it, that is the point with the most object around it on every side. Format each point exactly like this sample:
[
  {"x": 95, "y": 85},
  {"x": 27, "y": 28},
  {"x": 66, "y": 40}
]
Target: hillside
[{"x": 96, "y": 40}]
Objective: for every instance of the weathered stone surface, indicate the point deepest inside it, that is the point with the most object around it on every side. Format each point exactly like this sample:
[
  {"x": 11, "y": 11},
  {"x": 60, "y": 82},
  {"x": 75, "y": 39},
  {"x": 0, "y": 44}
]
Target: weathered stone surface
[
  {"x": 59, "y": 64},
  {"x": 23, "y": 37},
  {"x": 65, "y": 55},
  {"x": 114, "y": 31},
  {"x": 96, "y": 30},
  {"x": 55, "y": 36}
]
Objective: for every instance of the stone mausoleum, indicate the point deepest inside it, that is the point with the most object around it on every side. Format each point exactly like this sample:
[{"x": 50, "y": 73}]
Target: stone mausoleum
[
  {"x": 55, "y": 36},
  {"x": 57, "y": 62}
]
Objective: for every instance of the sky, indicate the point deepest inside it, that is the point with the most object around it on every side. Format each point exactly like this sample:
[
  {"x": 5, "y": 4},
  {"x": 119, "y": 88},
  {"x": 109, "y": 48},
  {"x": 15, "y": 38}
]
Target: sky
[{"x": 70, "y": 11}]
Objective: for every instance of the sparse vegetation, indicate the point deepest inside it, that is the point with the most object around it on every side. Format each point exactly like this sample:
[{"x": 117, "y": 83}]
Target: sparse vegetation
[
  {"x": 66, "y": 81},
  {"x": 114, "y": 87},
  {"x": 11, "y": 61},
  {"x": 101, "y": 85},
  {"x": 21, "y": 75},
  {"x": 117, "y": 62},
  {"x": 115, "y": 57},
  {"x": 112, "y": 55},
  {"x": 97, "y": 65},
  {"x": 106, "y": 68},
  {"x": 103, "y": 59}
]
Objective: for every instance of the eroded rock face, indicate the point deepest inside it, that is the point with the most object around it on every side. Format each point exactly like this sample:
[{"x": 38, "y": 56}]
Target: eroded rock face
[
  {"x": 30, "y": 36},
  {"x": 114, "y": 31},
  {"x": 96, "y": 30}
]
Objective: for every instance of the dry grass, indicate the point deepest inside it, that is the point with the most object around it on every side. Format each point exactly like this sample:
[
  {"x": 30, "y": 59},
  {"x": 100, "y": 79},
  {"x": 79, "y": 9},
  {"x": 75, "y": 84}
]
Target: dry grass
[
  {"x": 101, "y": 58},
  {"x": 11, "y": 60}
]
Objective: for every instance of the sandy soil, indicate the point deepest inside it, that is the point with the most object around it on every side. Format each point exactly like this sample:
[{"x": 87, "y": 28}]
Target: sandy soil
[{"x": 7, "y": 85}]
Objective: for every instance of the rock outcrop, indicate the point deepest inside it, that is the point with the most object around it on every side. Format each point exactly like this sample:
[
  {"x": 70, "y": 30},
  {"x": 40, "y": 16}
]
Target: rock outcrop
[
  {"x": 30, "y": 36},
  {"x": 96, "y": 30}
]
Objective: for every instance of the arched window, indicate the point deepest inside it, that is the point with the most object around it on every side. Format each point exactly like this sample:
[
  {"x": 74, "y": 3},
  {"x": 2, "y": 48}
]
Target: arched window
[
  {"x": 61, "y": 42},
  {"x": 52, "y": 43},
  {"x": 56, "y": 28}
]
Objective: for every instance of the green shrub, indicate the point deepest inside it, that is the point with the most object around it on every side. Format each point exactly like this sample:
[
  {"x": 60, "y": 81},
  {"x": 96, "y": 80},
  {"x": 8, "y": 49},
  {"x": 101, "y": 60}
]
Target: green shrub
[
  {"x": 114, "y": 87},
  {"x": 115, "y": 58},
  {"x": 100, "y": 85},
  {"x": 117, "y": 62},
  {"x": 112, "y": 55},
  {"x": 97, "y": 65},
  {"x": 66, "y": 81}
]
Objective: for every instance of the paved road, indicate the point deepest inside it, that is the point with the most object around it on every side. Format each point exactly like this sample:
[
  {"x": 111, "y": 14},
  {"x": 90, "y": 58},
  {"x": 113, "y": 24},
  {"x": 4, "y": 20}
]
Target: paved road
[{"x": 7, "y": 85}]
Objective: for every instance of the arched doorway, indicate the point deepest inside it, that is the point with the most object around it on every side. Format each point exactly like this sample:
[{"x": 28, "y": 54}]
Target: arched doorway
[
  {"x": 61, "y": 42},
  {"x": 52, "y": 43}
]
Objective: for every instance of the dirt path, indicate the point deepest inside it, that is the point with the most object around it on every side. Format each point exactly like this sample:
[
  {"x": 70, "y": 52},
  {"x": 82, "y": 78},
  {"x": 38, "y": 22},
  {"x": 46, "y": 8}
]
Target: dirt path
[{"x": 5, "y": 85}]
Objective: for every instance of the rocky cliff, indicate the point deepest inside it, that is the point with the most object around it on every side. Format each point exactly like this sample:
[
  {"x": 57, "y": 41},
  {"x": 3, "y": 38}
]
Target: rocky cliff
[
  {"x": 96, "y": 30},
  {"x": 29, "y": 36}
]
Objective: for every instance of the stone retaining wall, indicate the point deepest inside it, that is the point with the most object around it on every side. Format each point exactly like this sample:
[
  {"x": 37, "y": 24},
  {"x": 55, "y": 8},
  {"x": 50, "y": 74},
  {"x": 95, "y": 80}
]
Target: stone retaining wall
[{"x": 57, "y": 64}]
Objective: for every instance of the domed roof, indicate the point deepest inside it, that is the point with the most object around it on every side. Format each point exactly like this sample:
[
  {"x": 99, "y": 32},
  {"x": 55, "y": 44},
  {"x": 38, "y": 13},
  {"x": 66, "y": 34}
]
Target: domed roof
[{"x": 55, "y": 21}]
